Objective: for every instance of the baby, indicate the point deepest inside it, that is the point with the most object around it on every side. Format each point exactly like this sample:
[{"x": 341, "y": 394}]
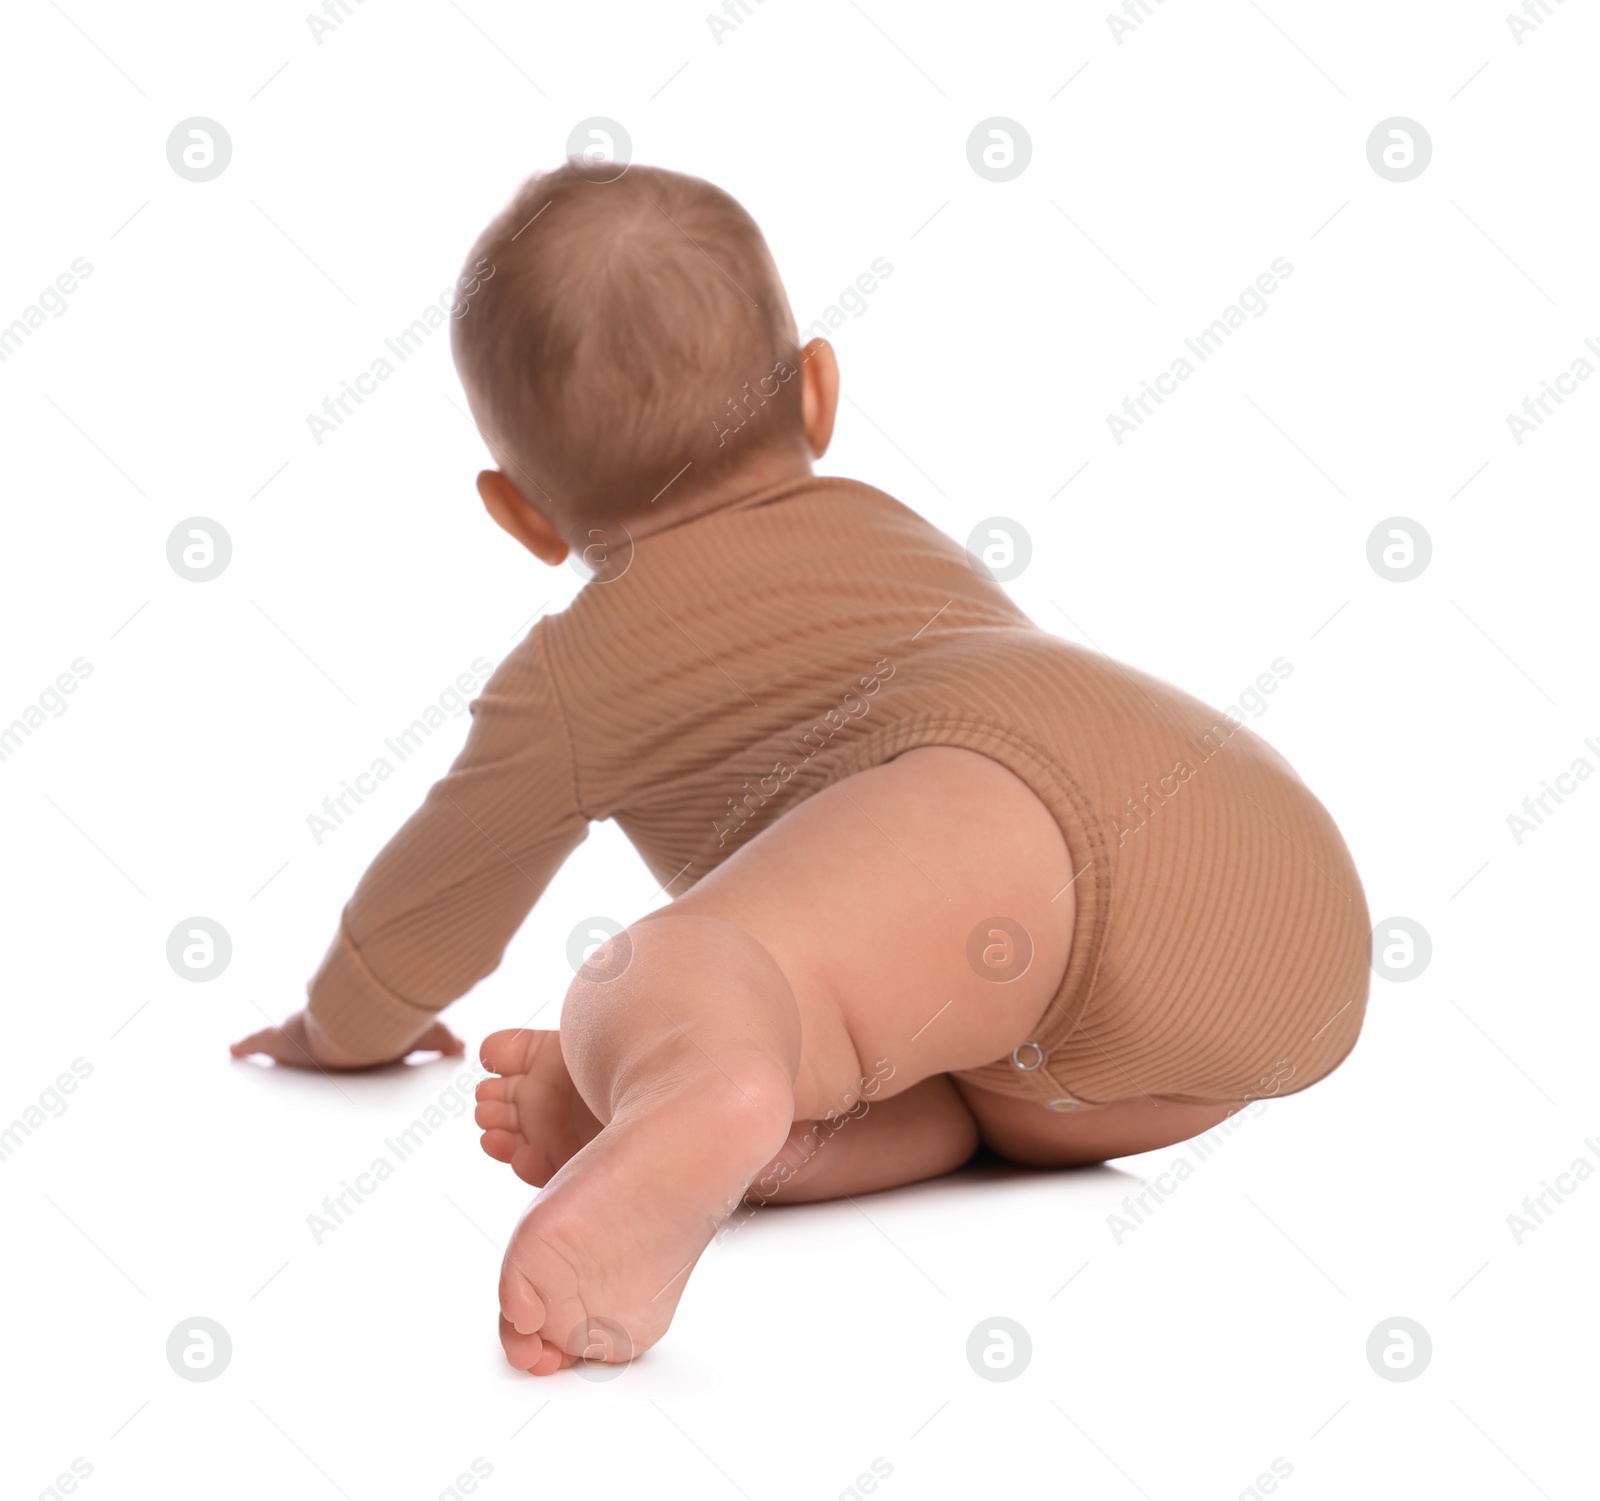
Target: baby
[{"x": 938, "y": 878}]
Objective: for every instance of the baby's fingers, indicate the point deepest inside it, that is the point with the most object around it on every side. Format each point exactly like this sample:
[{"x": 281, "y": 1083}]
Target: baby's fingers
[
  {"x": 248, "y": 1045},
  {"x": 439, "y": 1039},
  {"x": 274, "y": 1043}
]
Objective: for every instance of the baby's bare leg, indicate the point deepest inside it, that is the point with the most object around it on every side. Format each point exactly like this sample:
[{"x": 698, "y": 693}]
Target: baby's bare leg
[
  {"x": 936, "y": 1127},
  {"x": 922, "y": 1133},
  {"x": 535, "y": 1120},
  {"x": 830, "y": 950},
  {"x": 682, "y": 1038},
  {"x": 868, "y": 897}
]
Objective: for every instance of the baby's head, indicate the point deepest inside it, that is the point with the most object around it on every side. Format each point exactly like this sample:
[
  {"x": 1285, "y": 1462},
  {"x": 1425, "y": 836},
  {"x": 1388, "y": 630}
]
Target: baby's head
[{"x": 630, "y": 357}]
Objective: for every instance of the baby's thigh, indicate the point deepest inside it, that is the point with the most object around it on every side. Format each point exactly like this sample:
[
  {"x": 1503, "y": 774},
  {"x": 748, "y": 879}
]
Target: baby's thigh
[{"x": 921, "y": 911}]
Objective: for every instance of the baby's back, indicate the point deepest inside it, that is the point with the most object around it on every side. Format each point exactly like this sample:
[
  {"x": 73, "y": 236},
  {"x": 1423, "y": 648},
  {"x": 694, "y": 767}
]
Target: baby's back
[{"x": 741, "y": 658}]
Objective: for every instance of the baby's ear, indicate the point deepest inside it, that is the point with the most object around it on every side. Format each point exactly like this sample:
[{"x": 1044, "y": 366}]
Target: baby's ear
[
  {"x": 819, "y": 394},
  {"x": 515, "y": 516}
]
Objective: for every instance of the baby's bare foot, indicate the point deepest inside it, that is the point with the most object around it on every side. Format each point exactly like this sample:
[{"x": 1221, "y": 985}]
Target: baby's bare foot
[
  {"x": 597, "y": 1264},
  {"x": 532, "y": 1116}
]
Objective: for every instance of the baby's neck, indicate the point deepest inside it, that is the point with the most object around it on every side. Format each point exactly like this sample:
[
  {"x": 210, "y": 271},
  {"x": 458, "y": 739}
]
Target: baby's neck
[{"x": 764, "y": 474}]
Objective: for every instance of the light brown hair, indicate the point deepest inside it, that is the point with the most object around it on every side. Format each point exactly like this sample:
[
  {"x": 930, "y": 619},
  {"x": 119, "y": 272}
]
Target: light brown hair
[{"x": 625, "y": 334}]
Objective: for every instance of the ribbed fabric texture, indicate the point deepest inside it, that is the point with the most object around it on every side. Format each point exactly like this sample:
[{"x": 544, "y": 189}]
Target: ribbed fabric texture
[{"x": 750, "y": 657}]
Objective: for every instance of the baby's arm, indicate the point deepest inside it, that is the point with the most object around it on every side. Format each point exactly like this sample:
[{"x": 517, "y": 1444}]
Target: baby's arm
[{"x": 435, "y": 910}]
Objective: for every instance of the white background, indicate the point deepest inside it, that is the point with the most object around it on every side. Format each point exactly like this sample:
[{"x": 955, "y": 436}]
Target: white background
[{"x": 1168, "y": 171}]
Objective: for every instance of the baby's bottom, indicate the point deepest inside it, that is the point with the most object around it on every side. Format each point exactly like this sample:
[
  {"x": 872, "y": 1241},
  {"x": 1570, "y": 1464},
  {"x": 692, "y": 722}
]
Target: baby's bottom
[{"x": 821, "y": 974}]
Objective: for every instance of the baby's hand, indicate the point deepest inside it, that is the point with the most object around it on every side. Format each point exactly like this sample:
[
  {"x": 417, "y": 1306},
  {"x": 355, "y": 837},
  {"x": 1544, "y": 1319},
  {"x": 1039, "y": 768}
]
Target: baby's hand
[{"x": 301, "y": 1043}]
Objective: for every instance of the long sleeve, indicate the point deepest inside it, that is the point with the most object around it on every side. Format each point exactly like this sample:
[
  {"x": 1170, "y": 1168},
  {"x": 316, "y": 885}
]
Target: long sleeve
[{"x": 435, "y": 910}]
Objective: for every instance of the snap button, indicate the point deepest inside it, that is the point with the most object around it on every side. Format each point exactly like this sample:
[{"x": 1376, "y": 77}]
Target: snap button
[{"x": 1038, "y": 1057}]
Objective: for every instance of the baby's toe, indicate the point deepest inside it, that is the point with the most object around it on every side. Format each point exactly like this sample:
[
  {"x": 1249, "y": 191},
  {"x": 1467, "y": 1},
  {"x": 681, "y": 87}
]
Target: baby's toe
[
  {"x": 550, "y": 1361},
  {"x": 523, "y": 1351},
  {"x": 506, "y": 1052},
  {"x": 495, "y": 1088},
  {"x": 520, "y": 1302},
  {"x": 503, "y": 1146},
  {"x": 495, "y": 1115}
]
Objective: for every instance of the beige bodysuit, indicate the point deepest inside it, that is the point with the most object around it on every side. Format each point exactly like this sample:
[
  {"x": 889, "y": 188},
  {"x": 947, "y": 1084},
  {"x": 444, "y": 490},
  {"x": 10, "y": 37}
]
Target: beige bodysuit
[{"x": 740, "y": 661}]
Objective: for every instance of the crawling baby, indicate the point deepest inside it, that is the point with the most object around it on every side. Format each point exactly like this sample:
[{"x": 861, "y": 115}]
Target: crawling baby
[{"x": 938, "y": 879}]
